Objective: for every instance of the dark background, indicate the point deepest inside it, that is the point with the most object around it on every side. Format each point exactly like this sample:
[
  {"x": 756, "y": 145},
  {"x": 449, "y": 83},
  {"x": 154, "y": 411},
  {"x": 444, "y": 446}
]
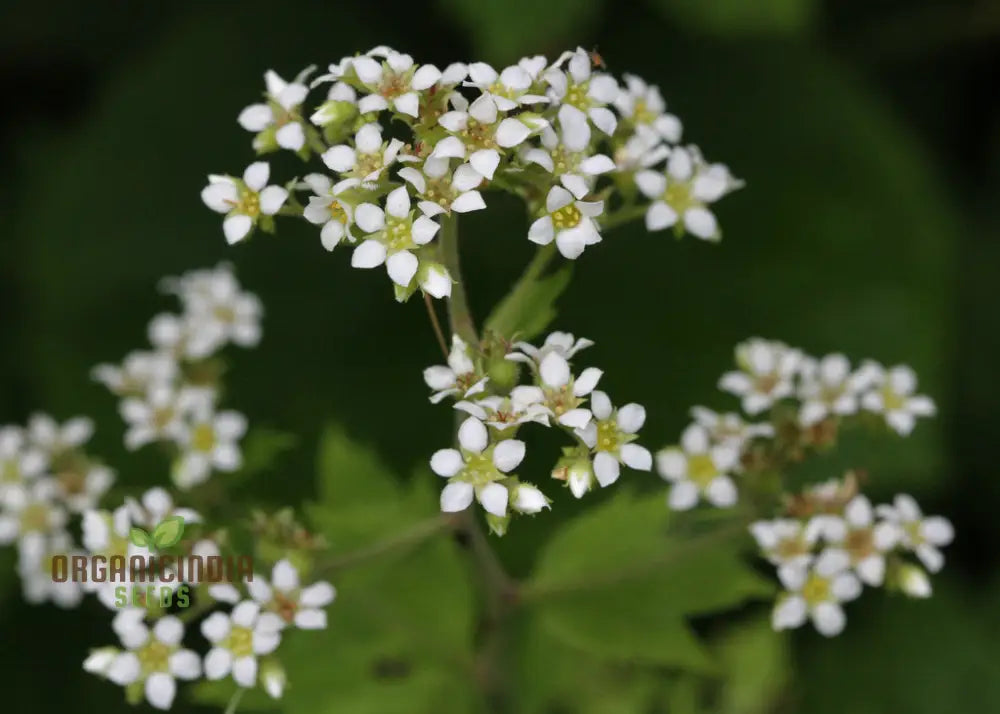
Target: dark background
[{"x": 869, "y": 137}]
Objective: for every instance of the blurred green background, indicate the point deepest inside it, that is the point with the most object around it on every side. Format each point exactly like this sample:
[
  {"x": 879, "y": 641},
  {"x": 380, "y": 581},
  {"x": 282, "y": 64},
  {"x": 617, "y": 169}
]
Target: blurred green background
[{"x": 869, "y": 137}]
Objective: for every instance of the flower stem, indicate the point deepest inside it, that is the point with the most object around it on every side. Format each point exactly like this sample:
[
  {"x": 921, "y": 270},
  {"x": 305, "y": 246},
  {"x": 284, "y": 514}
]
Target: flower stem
[
  {"x": 436, "y": 324},
  {"x": 420, "y": 532},
  {"x": 235, "y": 701},
  {"x": 459, "y": 314},
  {"x": 627, "y": 214}
]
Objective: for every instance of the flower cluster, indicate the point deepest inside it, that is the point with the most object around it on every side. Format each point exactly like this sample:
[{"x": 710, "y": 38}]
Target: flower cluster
[
  {"x": 831, "y": 542},
  {"x": 804, "y": 399},
  {"x": 404, "y": 146},
  {"x": 169, "y": 393},
  {"x": 50, "y": 489},
  {"x": 487, "y": 454}
]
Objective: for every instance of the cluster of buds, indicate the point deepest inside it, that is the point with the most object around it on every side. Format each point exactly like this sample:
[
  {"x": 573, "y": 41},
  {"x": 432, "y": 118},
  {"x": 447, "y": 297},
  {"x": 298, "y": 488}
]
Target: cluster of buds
[
  {"x": 481, "y": 468},
  {"x": 579, "y": 147},
  {"x": 830, "y": 542}
]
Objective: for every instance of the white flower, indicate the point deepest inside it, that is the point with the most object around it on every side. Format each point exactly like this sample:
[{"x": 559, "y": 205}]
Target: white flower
[
  {"x": 582, "y": 91},
  {"x": 154, "y": 658},
  {"x": 640, "y": 151},
  {"x": 19, "y": 461},
  {"x": 394, "y": 83},
  {"x": 155, "y": 506},
  {"x": 524, "y": 404},
  {"x": 285, "y": 597},
  {"x": 565, "y": 154},
  {"x": 209, "y": 443},
  {"x": 475, "y": 470},
  {"x": 644, "y": 106},
  {"x": 730, "y": 428},
  {"x": 509, "y": 89},
  {"x": 280, "y": 114},
  {"x": 237, "y": 639},
  {"x": 458, "y": 377},
  {"x": 243, "y": 202},
  {"x": 865, "y": 541},
  {"x": 787, "y": 542},
  {"x": 892, "y": 393},
  {"x": 699, "y": 468},
  {"x": 328, "y": 208},
  {"x": 570, "y": 222},
  {"x": 30, "y": 516},
  {"x": 367, "y": 159},
  {"x": 53, "y": 439},
  {"x": 828, "y": 387},
  {"x": 922, "y": 535},
  {"x": 37, "y": 583},
  {"x": 816, "y": 593},
  {"x": 683, "y": 192},
  {"x": 610, "y": 434},
  {"x": 562, "y": 343},
  {"x": 479, "y": 133},
  {"x": 563, "y": 394},
  {"x": 443, "y": 190},
  {"x": 161, "y": 415},
  {"x": 82, "y": 484},
  {"x": 139, "y": 371},
  {"x": 577, "y": 470},
  {"x": 341, "y": 104},
  {"x": 767, "y": 370},
  {"x": 217, "y": 312},
  {"x": 394, "y": 236}
]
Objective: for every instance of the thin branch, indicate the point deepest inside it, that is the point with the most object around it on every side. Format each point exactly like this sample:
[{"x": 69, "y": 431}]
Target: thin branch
[
  {"x": 436, "y": 324},
  {"x": 234, "y": 702},
  {"x": 410, "y": 537}
]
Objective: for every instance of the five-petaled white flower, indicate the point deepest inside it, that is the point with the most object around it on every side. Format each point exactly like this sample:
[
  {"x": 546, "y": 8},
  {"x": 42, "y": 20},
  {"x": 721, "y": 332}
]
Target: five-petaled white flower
[
  {"x": 583, "y": 91},
  {"x": 569, "y": 221},
  {"x": 509, "y": 89},
  {"x": 55, "y": 439},
  {"x": 394, "y": 236},
  {"x": 561, "y": 393},
  {"x": 243, "y": 201},
  {"x": 297, "y": 606},
  {"x": 523, "y": 404},
  {"x": 561, "y": 342},
  {"x": 237, "y": 640},
  {"x": 827, "y": 386},
  {"x": 209, "y": 443},
  {"x": 643, "y": 105},
  {"x": 29, "y": 516},
  {"x": 279, "y": 120},
  {"x": 394, "y": 83},
  {"x": 680, "y": 195},
  {"x": 767, "y": 372},
  {"x": 367, "y": 159},
  {"x": 565, "y": 154},
  {"x": 154, "y": 658},
  {"x": 816, "y": 593},
  {"x": 139, "y": 371},
  {"x": 330, "y": 209},
  {"x": 924, "y": 535},
  {"x": 479, "y": 133},
  {"x": 730, "y": 428},
  {"x": 161, "y": 415},
  {"x": 154, "y": 506},
  {"x": 442, "y": 190},
  {"x": 610, "y": 435},
  {"x": 698, "y": 468},
  {"x": 865, "y": 541},
  {"x": 892, "y": 393},
  {"x": 457, "y": 377},
  {"x": 475, "y": 470},
  {"x": 20, "y": 462},
  {"x": 786, "y": 541}
]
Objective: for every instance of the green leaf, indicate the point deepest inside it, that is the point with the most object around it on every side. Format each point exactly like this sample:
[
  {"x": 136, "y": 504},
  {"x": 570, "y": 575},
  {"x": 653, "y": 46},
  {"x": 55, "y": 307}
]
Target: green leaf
[
  {"x": 527, "y": 311},
  {"x": 500, "y": 32},
  {"x": 139, "y": 538},
  {"x": 617, "y": 584},
  {"x": 757, "y": 667},
  {"x": 737, "y": 17},
  {"x": 262, "y": 450},
  {"x": 168, "y": 532},
  {"x": 350, "y": 474}
]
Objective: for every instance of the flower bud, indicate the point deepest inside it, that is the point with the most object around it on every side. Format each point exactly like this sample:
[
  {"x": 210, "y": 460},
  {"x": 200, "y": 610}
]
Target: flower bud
[
  {"x": 528, "y": 499},
  {"x": 99, "y": 660},
  {"x": 913, "y": 581},
  {"x": 435, "y": 280},
  {"x": 273, "y": 677},
  {"x": 333, "y": 112}
]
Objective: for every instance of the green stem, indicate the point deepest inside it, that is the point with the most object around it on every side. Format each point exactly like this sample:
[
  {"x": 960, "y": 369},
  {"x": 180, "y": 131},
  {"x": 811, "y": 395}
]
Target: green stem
[
  {"x": 627, "y": 214},
  {"x": 459, "y": 314},
  {"x": 408, "y": 538},
  {"x": 235, "y": 701}
]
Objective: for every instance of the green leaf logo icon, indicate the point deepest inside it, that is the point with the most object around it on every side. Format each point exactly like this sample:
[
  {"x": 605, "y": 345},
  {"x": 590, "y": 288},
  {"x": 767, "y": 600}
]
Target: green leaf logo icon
[
  {"x": 140, "y": 538},
  {"x": 168, "y": 532}
]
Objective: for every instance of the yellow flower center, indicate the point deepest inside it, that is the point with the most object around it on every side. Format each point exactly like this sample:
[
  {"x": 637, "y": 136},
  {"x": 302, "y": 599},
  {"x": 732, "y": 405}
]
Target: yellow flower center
[
  {"x": 250, "y": 204},
  {"x": 678, "y": 196},
  {"x": 154, "y": 657},
  {"x": 566, "y": 217},
  {"x": 608, "y": 436},
  {"x": 398, "y": 234},
  {"x": 816, "y": 590},
  {"x": 72, "y": 482},
  {"x": 892, "y": 400},
  {"x": 789, "y": 548},
  {"x": 479, "y": 469},
  {"x": 337, "y": 212},
  {"x": 576, "y": 95},
  {"x": 203, "y": 437},
  {"x": 701, "y": 469},
  {"x": 35, "y": 518},
  {"x": 477, "y": 135},
  {"x": 643, "y": 114},
  {"x": 240, "y": 642},
  {"x": 10, "y": 472},
  {"x": 860, "y": 543}
]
